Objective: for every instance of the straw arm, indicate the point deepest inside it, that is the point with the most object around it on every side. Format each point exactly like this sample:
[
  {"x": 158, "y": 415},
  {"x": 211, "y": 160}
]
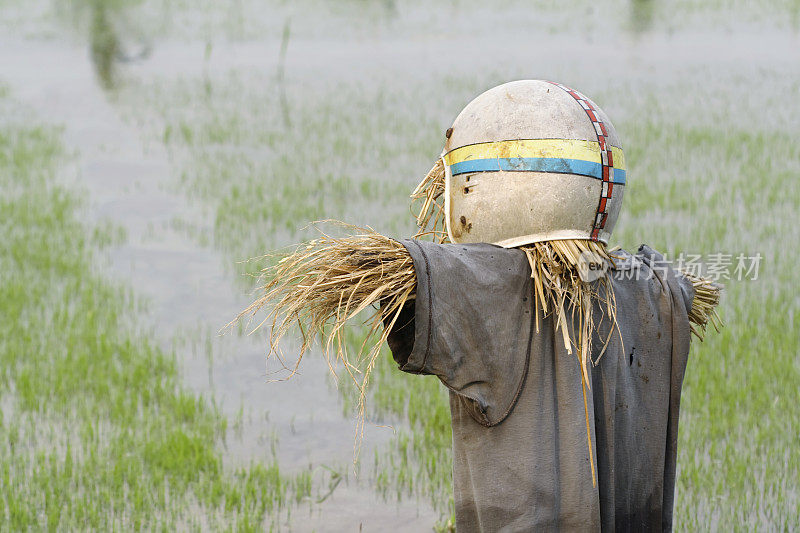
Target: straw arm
[{"x": 328, "y": 282}]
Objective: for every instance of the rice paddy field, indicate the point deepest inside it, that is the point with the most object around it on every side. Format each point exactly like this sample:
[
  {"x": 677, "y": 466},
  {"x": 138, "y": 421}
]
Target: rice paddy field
[{"x": 151, "y": 152}]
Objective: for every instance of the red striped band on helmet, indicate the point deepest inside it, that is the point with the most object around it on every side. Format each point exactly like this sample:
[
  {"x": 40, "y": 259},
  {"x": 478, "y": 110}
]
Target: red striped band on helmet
[{"x": 606, "y": 159}]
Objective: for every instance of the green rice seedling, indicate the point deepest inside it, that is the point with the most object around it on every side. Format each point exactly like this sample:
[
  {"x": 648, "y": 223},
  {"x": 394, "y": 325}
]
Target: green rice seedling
[{"x": 97, "y": 430}]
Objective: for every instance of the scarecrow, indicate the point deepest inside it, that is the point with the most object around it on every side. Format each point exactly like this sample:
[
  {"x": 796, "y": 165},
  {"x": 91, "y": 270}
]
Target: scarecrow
[{"x": 564, "y": 358}]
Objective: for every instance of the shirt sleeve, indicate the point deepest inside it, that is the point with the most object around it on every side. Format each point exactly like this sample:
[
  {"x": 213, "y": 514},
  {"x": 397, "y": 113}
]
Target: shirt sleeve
[{"x": 470, "y": 324}]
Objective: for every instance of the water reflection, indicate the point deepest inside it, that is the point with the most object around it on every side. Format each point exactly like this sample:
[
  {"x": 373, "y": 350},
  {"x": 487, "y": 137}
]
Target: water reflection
[
  {"x": 106, "y": 21},
  {"x": 642, "y": 15},
  {"x": 104, "y": 43}
]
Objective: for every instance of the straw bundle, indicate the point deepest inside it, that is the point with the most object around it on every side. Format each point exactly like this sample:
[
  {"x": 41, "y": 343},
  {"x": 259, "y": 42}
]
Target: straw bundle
[
  {"x": 330, "y": 281},
  {"x": 704, "y": 305},
  {"x": 558, "y": 288}
]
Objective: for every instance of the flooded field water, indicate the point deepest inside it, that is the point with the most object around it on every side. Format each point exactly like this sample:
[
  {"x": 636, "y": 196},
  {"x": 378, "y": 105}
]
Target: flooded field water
[{"x": 205, "y": 135}]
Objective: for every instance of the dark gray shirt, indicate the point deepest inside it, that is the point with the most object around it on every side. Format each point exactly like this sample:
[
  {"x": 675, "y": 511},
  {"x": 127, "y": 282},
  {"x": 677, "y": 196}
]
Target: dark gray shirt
[{"x": 520, "y": 450}]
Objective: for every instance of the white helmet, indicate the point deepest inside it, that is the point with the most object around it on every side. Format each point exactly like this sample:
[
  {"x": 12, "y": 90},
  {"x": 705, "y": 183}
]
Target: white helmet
[{"x": 531, "y": 161}]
